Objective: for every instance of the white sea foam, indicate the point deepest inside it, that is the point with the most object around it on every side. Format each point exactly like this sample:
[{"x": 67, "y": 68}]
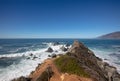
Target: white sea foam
[
  {"x": 106, "y": 58},
  {"x": 25, "y": 66},
  {"x": 12, "y": 55}
]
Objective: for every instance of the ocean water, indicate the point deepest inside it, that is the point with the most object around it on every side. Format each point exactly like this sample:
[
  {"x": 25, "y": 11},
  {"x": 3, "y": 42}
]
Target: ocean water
[{"x": 18, "y": 57}]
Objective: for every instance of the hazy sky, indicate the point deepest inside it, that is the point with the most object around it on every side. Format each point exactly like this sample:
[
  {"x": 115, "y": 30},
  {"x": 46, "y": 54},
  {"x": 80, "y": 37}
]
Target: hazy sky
[{"x": 58, "y": 18}]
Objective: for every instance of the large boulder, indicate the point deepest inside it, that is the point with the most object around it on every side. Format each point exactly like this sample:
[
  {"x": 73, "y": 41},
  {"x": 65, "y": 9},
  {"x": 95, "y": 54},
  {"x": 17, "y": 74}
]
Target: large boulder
[
  {"x": 63, "y": 48},
  {"x": 53, "y": 55},
  {"x": 49, "y": 50}
]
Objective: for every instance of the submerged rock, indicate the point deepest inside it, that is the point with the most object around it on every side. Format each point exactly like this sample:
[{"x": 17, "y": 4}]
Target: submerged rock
[
  {"x": 4, "y": 57},
  {"x": 34, "y": 57},
  {"x": 115, "y": 55},
  {"x": 67, "y": 45},
  {"x": 28, "y": 58},
  {"x": 49, "y": 50},
  {"x": 56, "y": 43}
]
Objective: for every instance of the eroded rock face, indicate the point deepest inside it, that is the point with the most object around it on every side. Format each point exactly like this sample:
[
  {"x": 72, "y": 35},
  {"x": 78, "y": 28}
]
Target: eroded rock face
[
  {"x": 46, "y": 75},
  {"x": 79, "y": 49},
  {"x": 98, "y": 69}
]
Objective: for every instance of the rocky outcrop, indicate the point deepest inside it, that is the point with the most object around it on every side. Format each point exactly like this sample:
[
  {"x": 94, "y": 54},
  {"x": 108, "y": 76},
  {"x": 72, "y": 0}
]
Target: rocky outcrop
[
  {"x": 56, "y": 43},
  {"x": 22, "y": 78},
  {"x": 67, "y": 45},
  {"x": 53, "y": 55},
  {"x": 98, "y": 69},
  {"x": 49, "y": 50},
  {"x": 63, "y": 48},
  {"x": 46, "y": 75},
  {"x": 83, "y": 57}
]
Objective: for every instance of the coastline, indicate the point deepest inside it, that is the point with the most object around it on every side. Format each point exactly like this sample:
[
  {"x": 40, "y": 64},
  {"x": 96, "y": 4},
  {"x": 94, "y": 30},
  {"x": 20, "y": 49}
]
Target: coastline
[{"x": 107, "y": 72}]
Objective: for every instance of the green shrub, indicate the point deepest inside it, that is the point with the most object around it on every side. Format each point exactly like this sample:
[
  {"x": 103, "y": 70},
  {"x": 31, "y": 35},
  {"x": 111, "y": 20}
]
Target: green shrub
[{"x": 68, "y": 64}]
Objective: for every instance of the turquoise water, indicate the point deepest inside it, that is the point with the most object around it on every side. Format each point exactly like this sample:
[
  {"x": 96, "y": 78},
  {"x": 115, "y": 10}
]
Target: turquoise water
[{"x": 14, "y": 53}]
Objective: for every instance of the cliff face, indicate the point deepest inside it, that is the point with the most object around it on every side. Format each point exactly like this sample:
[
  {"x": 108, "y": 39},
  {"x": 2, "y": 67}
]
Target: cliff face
[
  {"x": 93, "y": 65},
  {"x": 114, "y": 35},
  {"x": 79, "y": 64}
]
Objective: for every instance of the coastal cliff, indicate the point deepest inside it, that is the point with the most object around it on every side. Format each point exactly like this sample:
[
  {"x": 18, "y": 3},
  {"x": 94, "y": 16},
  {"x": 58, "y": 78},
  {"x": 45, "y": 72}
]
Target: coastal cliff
[
  {"x": 78, "y": 64},
  {"x": 113, "y": 35}
]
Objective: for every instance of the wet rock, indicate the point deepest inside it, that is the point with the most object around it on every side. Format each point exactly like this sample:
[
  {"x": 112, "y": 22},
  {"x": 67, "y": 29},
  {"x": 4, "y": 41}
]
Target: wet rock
[
  {"x": 28, "y": 58},
  {"x": 49, "y": 55},
  {"x": 63, "y": 48},
  {"x": 67, "y": 45},
  {"x": 22, "y": 78},
  {"x": 56, "y": 43},
  {"x": 56, "y": 51},
  {"x": 34, "y": 57},
  {"x": 49, "y": 50},
  {"x": 60, "y": 54},
  {"x": 53, "y": 55},
  {"x": 3, "y": 57},
  {"x": 31, "y": 54},
  {"x": 105, "y": 59},
  {"x": 115, "y": 55},
  {"x": 117, "y": 63}
]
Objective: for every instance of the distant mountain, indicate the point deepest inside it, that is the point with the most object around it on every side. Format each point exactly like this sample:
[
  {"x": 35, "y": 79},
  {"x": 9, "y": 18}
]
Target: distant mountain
[{"x": 113, "y": 35}]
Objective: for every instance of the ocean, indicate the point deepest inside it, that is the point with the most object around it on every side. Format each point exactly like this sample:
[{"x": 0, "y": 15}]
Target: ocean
[{"x": 18, "y": 57}]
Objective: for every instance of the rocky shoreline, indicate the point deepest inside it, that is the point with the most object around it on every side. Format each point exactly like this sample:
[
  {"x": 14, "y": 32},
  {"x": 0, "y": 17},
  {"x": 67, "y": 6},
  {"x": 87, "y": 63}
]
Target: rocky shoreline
[{"x": 86, "y": 59}]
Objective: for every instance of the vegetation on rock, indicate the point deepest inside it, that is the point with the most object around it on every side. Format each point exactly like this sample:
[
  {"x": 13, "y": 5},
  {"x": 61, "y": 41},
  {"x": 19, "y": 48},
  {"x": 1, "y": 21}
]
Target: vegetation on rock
[{"x": 68, "y": 64}]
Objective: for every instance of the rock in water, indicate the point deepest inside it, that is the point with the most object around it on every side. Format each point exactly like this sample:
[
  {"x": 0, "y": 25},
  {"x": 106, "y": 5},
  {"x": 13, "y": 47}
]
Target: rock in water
[
  {"x": 49, "y": 50},
  {"x": 94, "y": 66},
  {"x": 63, "y": 48},
  {"x": 22, "y": 79},
  {"x": 56, "y": 43},
  {"x": 53, "y": 55},
  {"x": 67, "y": 45}
]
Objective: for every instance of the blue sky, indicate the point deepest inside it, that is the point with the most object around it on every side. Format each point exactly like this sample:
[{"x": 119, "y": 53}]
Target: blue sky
[{"x": 58, "y": 18}]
